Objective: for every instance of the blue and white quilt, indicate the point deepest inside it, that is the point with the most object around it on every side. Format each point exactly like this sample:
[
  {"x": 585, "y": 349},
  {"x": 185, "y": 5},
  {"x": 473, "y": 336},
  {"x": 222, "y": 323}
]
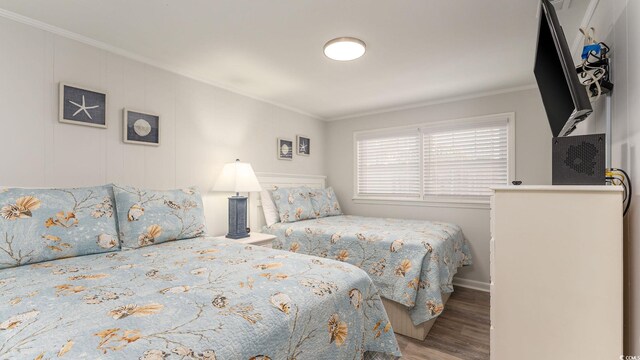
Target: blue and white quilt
[
  {"x": 193, "y": 299},
  {"x": 411, "y": 262}
]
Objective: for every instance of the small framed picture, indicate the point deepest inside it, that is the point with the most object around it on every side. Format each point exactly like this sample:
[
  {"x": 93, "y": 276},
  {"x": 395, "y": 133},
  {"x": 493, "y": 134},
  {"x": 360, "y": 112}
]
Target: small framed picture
[
  {"x": 141, "y": 128},
  {"x": 304, "y": 145},
  {"x": 82, "y": 106},
  {"x": 285, "y": 149}
]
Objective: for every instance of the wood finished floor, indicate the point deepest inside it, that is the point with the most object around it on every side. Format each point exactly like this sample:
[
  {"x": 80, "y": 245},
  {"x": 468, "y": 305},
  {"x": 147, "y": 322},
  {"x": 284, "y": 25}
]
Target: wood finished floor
[{"x": 460, "y": 333}]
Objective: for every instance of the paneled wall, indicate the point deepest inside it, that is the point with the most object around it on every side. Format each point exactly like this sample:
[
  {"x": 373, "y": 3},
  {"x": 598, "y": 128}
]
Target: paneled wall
[
  {"x": 202, "y": 126},
  {"x": 533, "y": 164},
  {"x": 617, "y": 22}
]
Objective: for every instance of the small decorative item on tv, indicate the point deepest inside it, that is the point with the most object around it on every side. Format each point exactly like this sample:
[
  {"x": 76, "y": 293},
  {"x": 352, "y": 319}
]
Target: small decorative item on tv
[
  {"x": 565, "y": 99},
  {"x": 82, "y": 106},
  {"x": 141, "y": 128},
  {"x": 304, "y": 145},
  {"x": 285, "y": 149}
]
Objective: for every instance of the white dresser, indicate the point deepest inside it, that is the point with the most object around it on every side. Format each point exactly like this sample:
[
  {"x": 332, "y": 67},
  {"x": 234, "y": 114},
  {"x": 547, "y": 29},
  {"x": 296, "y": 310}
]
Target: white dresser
[{"x": 556, "y": 273}]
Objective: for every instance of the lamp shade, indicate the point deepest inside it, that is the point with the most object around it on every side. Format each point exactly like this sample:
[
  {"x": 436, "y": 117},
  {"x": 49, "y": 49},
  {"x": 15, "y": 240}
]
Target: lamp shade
[{"x": 237, "y": 177}]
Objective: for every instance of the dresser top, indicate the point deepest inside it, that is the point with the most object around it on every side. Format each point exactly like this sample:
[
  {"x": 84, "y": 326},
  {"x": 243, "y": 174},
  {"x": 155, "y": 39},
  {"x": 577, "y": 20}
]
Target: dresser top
[{"x": 591, "y": 188}]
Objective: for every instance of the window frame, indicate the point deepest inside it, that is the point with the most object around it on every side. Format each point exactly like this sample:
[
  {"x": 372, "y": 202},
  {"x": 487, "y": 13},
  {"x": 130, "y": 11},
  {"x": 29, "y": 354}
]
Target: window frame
[{"x": 481, "y": 202}]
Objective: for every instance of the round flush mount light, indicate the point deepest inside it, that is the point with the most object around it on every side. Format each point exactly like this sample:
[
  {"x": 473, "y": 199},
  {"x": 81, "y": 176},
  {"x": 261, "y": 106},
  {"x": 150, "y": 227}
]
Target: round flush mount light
[{"x": 344, "y": 48}]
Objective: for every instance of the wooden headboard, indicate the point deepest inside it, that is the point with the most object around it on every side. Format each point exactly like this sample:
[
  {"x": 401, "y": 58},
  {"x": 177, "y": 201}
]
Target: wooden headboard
[{"x": 270, "y": 181}]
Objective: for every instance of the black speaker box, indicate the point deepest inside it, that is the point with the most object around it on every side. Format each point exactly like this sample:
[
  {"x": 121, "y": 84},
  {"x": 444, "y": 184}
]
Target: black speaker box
[{"x": 579, "y": 160}]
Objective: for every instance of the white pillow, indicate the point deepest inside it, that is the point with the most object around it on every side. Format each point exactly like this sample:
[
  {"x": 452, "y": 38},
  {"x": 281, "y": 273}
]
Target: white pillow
[{"x": 271, "y": 215}]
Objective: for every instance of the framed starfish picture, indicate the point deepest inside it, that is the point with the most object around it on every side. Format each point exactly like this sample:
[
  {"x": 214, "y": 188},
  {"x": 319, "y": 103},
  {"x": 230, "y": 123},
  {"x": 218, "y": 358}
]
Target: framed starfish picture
[
  {"x": 304, "y": 145},
  {"x": 82, "y": 106}
]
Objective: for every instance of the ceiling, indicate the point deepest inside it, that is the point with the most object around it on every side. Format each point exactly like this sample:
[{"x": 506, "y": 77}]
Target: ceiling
[{"x": 417, "y": 51}]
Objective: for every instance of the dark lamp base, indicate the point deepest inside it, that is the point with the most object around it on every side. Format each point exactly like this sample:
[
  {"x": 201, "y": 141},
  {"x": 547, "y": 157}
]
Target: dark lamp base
[{"x": 237, "y": 217}]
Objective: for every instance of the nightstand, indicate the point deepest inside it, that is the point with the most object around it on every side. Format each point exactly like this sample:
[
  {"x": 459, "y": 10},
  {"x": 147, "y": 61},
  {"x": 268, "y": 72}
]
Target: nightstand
[{"x": 255, "y": 238}]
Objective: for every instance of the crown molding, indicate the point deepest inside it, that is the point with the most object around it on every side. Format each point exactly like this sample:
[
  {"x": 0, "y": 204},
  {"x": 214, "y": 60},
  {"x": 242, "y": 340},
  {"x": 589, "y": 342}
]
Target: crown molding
[
  {"x": 133, "y": 56},
  {"x": 435, "y": 102},
  {"x": 176, "y": 70}
]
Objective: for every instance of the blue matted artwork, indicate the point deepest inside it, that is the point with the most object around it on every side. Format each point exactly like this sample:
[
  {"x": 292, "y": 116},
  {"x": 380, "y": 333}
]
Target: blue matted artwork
[
  {"x": 82, "y": 106},
  {"x": 304, "y": 145},
  {"x": 285, "y": 149},
  {"x": 141, "y": 128}
]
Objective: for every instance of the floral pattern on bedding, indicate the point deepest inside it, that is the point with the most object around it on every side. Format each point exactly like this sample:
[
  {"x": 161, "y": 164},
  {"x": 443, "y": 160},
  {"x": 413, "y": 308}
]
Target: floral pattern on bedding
[
  {"x": 325, "y": 203},
  {"x": 148, "y": 217},
  {"x": 194, "y": 299},
  {"x": 45, "y": 224},
  {"x": 411, "y": 262},
  {"x": 294, "y": 204}
]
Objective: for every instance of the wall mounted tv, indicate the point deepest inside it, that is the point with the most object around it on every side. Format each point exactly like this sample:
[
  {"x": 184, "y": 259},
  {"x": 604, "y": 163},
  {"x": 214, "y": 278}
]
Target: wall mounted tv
[{"x": 565, "y": 98}]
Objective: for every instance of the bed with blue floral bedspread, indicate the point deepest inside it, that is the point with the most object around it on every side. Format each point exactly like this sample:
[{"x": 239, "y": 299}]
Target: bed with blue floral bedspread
[
  {"x": 411, "y": 262},
  {"x": 192, "y": 299}
]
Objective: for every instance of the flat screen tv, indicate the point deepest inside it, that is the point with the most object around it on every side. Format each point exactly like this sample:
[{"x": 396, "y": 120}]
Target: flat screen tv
[{"x": 565, "y": 99}]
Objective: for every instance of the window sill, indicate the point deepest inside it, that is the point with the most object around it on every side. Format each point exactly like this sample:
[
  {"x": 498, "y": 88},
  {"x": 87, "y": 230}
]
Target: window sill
[{"x": 460, "y": 203}]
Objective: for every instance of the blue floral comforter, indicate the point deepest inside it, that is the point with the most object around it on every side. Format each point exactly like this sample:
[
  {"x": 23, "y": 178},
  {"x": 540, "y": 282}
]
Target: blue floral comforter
[
  {"x": 192, "y": 299},
  {"x": 411, "y": 262}
]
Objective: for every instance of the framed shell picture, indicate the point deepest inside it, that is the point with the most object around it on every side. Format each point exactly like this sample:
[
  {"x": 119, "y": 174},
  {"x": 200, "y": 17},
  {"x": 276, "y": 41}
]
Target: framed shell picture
[
  {"x": 303, "y": 145},
  {"x": 285, "y": 149},
  {"x": 82, "y": 106},
  {"x": 141, "y": 128}
]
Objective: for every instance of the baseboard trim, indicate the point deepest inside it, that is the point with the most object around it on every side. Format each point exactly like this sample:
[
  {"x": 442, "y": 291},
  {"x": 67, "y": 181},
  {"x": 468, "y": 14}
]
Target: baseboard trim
[{"x": 471, "y": 284}]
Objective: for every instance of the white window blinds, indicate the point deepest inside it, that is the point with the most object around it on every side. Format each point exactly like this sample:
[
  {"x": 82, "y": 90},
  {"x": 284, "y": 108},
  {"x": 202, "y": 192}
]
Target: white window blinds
[
  {"x": 388, "y": 164},
  {"x": 437, "y": 161},
  {"x": 465, "y": 160}
]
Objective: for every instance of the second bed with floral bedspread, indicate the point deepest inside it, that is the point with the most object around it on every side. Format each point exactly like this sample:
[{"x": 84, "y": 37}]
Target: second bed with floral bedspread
[
  {"x": 411, "y": 262},
  {"x": 192, "y": 299}
]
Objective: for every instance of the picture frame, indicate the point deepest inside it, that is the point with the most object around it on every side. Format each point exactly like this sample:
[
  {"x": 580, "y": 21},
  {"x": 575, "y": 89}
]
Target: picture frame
[
  {"x": 285, "y": 149},
  {"x": 140, "y": 127},
  {"x": 303, "y": 145},
  {"x": 80, "y": 105}
]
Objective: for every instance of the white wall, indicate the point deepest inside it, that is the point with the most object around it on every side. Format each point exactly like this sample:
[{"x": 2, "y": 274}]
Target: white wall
[
  {"x": 533, "y": 163},
  {"x": 202, "y": 127},
  {"x": 619, "y": 21}
]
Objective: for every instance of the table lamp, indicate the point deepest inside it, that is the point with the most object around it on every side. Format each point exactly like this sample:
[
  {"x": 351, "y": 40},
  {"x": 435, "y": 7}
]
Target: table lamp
[{"x": 237, "y": 177}]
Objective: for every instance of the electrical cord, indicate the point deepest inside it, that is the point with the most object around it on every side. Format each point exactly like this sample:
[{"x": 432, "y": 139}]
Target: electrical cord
[
  {"x": 630, "y": 195},
  {"x": 620, "y": 183},
  {"x": 592, "y": 74},
  {"x": 623, "y": 178}
]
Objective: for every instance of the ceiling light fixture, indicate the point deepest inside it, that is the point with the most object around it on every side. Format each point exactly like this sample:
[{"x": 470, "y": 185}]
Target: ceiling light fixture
[{"x": 344, "y": 48}]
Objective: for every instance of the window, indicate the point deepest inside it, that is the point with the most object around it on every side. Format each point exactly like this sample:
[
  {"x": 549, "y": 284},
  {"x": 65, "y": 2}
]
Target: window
[
  {"x": 389, "y": 164},
  {"x": 451, "y": 161}
]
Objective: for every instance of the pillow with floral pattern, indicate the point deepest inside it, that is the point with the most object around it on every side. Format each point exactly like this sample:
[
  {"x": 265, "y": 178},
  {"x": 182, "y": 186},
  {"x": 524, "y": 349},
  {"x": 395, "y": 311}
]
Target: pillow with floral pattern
[
  {"x": 46, "y": 224},
  {"x": 325, "y": 203},
  {"x": 294, "y": 204},
  {"x": 147, "y": 217}
]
